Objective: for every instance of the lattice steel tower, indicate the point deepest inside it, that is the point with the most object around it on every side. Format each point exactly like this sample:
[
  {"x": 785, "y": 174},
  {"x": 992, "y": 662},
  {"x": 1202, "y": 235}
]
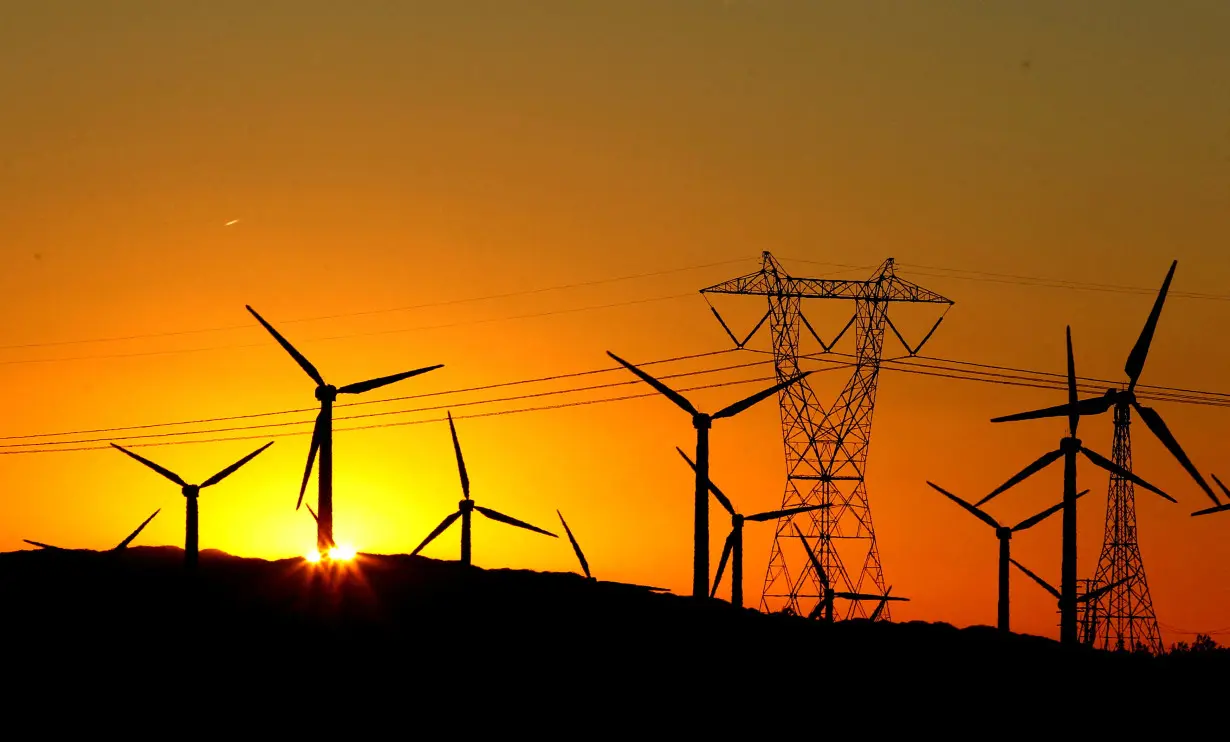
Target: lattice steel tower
[
  {"x": 1122, "y": 618},
  {"x": 826, "y": 448}
]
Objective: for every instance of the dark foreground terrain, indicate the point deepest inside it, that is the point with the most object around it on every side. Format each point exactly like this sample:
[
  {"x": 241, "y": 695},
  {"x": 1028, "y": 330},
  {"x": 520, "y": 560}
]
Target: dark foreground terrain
[{"x": 296, "y": 645}]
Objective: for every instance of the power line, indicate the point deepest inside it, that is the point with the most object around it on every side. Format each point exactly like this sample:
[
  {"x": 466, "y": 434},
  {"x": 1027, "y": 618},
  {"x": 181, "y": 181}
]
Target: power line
[
  {"x": 354, "y": 334},
  {"x": 484, "y": 387},
  {"x": 450, "y": 302}
]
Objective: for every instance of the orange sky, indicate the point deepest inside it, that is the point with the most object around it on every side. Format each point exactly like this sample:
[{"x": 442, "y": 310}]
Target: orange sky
[{"x": 380, "y": 157}]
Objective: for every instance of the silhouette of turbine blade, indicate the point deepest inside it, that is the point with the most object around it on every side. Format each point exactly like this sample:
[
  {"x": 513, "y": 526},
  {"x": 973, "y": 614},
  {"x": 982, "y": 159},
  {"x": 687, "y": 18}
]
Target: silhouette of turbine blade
[
  {"x": 493, "y": 515},
  {"x": 775, "y": 514},
  {"x": 1091, "y": 596},
  {"x": 1074, "y": 416},
  {"x": 164, "y": 472},
  {"x": 43, "y": 546},
  {"x": 1122, "y": 473},
  {"x": 815, "y": 562},
  {"x": 1136, "y": 359},
  {"x": 303, "y": 362},
  {"x": 444, "y": 524},
  {"x": 669, "y": 393},
  {"x": 1208, "y": 511},
  {"x": 742, "y": 405},
  {"x": 124, "y": 544},
  {"x": 575, "y": 546},
  {"x": 880, "y": 607},
  {"x": 717, "y": 493},
  {"x": 973, "y": 509},
  {"x": 1034, "y": 520},
  {"x": 1046, "y": 585},
  {"x": 233, "y": 467},
  {"x": 868, "y": 596},
  {"x": 461, "y": 462},
  {"x": 1158, "y": 426},
  {"x": 717, "y": 579},
  {"x": 367, "y": 386},
  {"x": 1043, "y": 462},
  {"x": 318, "y": 434},
  {"x": 1086, "y": 408},
  {"x": 1223, "y": 487}
]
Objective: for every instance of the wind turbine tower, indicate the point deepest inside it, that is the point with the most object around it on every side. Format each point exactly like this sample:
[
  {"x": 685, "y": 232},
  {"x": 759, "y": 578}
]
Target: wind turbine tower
[{"x": 826, "y": 446}]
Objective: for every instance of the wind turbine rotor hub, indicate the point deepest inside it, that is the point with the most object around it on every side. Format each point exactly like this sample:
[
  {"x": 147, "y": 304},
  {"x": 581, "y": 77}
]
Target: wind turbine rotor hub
[
  {"x": 1004, "y": 533},
  {"x": 1070, "y": 445},
  {"x": 702, "y": 421},
  {"x": 191, "y": 490},
  {"x": 466, "y": 506},
  {"x": 736, "y": 520},
  {"x": 326, "y": 393}
]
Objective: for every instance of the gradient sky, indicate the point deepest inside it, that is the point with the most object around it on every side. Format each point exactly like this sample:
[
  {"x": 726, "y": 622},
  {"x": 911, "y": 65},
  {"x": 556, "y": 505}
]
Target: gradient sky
[{"x": 380, "y": 155}]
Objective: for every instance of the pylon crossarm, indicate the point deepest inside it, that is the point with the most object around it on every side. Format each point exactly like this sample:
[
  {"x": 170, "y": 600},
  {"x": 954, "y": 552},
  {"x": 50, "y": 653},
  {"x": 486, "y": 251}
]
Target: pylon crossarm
[
  {"x": 915, "y": 350},
  {"x": 722, "y": 322},
  {"x": 828, "y": 347}
]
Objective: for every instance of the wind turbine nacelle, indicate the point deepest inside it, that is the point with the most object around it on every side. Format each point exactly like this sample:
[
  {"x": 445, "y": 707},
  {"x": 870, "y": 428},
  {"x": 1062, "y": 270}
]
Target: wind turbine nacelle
[
  {"x": 191, "y": 490},
  {"x": 326, "y": 393},
  {"x": 465, "y": 506}
]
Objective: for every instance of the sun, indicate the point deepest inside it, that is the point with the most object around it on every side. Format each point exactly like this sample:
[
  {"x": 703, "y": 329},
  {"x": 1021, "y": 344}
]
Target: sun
[
  {"x": 342, "y": 552},
  {"x": 312, "y": 556}
]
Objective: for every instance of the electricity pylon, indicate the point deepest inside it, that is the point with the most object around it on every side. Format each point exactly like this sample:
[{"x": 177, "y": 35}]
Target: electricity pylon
[
  {"x": 1123, "y": 618},
  {"x": 826, "y": 447}
]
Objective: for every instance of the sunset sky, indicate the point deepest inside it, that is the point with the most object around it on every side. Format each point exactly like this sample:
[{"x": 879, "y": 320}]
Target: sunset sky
[{"x": 430, "y": 157}]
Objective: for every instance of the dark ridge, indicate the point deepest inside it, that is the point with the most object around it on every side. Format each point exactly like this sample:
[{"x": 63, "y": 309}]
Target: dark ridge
[{"x": 388, "y": 626}]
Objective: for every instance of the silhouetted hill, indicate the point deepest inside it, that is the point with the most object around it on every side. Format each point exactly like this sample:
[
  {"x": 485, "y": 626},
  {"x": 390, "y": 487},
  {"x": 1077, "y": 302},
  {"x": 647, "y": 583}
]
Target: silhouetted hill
[{"x": 415, "y": 628}]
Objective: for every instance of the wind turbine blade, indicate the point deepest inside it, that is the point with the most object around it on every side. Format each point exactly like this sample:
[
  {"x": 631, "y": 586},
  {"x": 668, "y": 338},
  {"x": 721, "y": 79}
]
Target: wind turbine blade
[
  {"x": 1034, "y": 520},
  {"x": 973, "y": 509},
  {"x": 575, "y": 546},
  {"x": 1158, "y": 426},
  {"x": 1086, "y": 407},
  {"x": 1024, "y": 474},
  {"x": 1074, "y": 416},
  {"x": 367, "y": 386},
  {"x": 493, "y": 515},
  {"x": 742, "y": 405},
  {"x": 1037, "y": 579},
  {"x": 1208, "y": 511},
  {"x": 775, "y": 514},
  {"x": 317, "y": 438},
  {"x": 1136, "y": 360},
  {"x": 304, "y": 363},
  {"x": 43, "y": 546},
  {"x": 164, "y": 472},
  {"x": 461, "y": 462},
  {"x": 717, "y": 493},
  {"x": 815, "y": 563},
  {"x": 1114, "y": 468},
  {"x": 231, "y": 469},
  {"x": 876, "y": 613},
  {"x": 717, "y": 580},
  {"x": 670, "y": 394},
  {"x": 124, "y": 544},
  {"x": 313, "y": 514},
  {"x": 1087, "y": 597},
  {"x": 868, "y": 596},
  {"x": 444, "y": 524},
  {"x": 1223, "y": 487}
]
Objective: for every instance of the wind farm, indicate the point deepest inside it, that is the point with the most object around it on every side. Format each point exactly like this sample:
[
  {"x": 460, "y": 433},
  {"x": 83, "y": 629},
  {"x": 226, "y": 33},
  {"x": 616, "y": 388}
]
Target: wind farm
[{"x": 964, "y": 266}]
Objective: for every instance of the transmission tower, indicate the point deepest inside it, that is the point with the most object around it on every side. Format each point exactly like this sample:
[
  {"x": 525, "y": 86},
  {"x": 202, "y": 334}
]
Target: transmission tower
[
  {"x": 1123, "y": 617},
  {"x": 826, "y": 447}
]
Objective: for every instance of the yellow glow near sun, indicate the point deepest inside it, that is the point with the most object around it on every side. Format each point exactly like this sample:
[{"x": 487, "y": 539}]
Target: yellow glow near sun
[
  {"x": 342, "y": 552},
  {"x": 312, "y": 556}
]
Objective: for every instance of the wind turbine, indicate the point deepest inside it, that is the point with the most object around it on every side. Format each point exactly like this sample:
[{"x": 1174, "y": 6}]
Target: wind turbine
[
  {"x": 191, "y": 492},
  {"x": 1089, "y": 597},
  {"x": 119, "y": 547},
  {"x": 466, "y": 506},
  {"x": 1068, "y": 448},
  {"x": 734, "y": 542},
  {"x": 824, "y": 608},
  {"x": 702, "y": 422},
  {"x": 322, "y": 434},
  {"x": 1004, "y": 534},
  {"x": 1219, "y": 508},
  {"x": 576, "y": 548}
]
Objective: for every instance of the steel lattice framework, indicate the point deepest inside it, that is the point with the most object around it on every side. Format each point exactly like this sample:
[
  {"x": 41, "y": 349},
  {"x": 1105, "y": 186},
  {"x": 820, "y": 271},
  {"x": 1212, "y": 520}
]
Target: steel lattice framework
[
  {"x": 1123, "y": 618},
  {"x": 826, "y": 448}
]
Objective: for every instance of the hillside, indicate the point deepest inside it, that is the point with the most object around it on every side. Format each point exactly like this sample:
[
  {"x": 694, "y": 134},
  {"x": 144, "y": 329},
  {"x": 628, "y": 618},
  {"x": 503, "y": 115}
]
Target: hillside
[{"x": 392, "y": 622}]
